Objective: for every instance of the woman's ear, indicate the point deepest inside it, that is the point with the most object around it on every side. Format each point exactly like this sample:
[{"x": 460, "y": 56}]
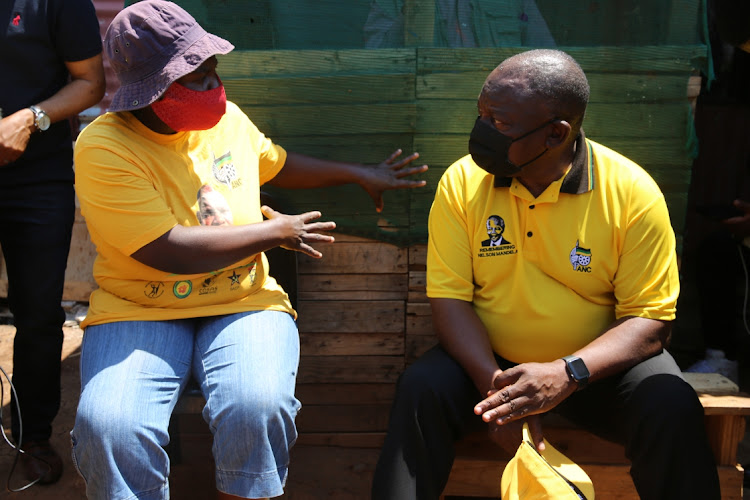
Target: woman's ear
[{"x": 560, "y": 133}]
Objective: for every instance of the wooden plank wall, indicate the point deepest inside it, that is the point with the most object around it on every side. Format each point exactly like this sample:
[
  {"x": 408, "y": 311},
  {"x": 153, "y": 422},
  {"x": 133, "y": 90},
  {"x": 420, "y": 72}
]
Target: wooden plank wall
[{"x": 362, "y": 317}]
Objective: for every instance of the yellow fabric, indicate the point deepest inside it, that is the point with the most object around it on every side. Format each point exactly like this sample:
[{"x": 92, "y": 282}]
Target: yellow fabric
[
  {"x": 531, "y": 476},
  {"x": 570, "y": 263},
  {"x": 134, "y": 185}
]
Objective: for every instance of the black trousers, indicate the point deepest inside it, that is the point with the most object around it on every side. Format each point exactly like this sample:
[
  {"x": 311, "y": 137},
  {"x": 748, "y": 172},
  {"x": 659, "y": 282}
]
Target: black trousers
[
  {"x": 36, "y": 224},
  {"x": 649, "y": 408}
]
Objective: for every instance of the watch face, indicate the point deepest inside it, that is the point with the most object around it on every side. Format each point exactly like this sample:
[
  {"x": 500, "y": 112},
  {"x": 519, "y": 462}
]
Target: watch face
[
  {"x": 42, "y": 121},
  {"x": 577, "y": 369}
]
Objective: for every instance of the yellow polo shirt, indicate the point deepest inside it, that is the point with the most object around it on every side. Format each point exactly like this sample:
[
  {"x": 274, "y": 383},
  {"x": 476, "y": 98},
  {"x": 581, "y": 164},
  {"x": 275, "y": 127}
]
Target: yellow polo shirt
[
  {"x": 134, "y": 185},
  {"x": 596, "y": 245}
]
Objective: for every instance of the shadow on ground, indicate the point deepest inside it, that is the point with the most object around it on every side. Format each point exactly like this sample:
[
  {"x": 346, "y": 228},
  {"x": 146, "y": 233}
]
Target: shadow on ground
[{"x": 70, "y": 486}]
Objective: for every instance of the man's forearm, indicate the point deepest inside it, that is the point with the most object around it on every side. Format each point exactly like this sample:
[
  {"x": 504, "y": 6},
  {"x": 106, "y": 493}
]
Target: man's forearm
[
  {"x": 462, "y": 334},
  {"x": 303, "y": 172},
  {"x": 75, "y": 97},
  {"x": 627, "y": 342}
]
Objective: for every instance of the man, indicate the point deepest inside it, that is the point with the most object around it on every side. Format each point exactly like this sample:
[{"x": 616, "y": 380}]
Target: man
[
  {"x": 523, "y": 332},
  {"x": 51, "y": 67},
  {"x": 183, "y": 294},
  {"x": 213, "y": 209},
  {"x": 495, "y": 229}
]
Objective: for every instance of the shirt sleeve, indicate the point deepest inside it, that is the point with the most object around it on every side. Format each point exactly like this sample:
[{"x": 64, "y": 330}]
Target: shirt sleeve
[
  {"x": 647, "y": 281},
  {"x": 449, "y": 259},
  {"x": 77, "y": 35},
  {"x": 271, "y": 157},
  {"x": 119, "y": 201}
]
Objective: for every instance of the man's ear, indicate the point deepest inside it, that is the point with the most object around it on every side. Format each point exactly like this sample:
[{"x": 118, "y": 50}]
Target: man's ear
[{"x": 560, "y": 133}]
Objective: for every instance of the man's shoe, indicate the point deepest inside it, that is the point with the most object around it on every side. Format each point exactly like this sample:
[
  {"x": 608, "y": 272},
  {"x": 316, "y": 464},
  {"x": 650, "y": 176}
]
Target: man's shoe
[{"x": 40, "y": 461}]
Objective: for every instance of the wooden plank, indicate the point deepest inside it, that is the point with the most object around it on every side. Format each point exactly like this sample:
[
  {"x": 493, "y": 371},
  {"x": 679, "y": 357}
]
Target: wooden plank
[
  {"x": 241, "y": 63},
  {"x": 324, "y": 120},
  {"x": 352, "y": 286},
  {"x": 625, "y": 59},
  {"x": 343, "y": 418},
  {"x": 417, "y": 286},
  {"x": 330, "y": 472},
  {"x": 352, "y": 344},
  {"x": 724, "y": 434},
  {"x": 605, "y": 87},
  {"x": 419, "y": 319},
  {"x": 710, "y": 383},
  {"x": 349, "y": 369},
  {"x": 327, "y": 316},
  {"x": 725, "y": 404},
  {"x": 342, "y": 439},
  {"x": 417, "y": 257},
  {"x": 349, "y": 206},
  {"x": 371, "y": 257},
  {"x": 343, "y": 394},
  {"x": 368, "y": 149},
  {"x": 346, "y": 89}
]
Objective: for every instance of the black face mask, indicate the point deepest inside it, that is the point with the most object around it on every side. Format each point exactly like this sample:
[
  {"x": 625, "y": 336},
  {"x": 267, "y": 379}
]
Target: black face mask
[{"x": 489, "y": 148}]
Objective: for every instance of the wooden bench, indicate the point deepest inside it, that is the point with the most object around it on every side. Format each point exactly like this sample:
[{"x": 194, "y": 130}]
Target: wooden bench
[{"x": 364, "y": 317}]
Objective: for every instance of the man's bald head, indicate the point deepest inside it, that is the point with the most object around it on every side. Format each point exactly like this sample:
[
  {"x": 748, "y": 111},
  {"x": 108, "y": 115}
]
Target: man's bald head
[{"x": 549, "y": 76}]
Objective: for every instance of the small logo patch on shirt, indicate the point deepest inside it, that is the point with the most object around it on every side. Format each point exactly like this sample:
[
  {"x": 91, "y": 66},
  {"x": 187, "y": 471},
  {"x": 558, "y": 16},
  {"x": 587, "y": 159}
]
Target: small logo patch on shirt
[
  {"x": 182, "y": 289},
  {"x": 224, "y": 170},
  {"x": 154, "y": 289},
  {"x": 580, "y": 258}
]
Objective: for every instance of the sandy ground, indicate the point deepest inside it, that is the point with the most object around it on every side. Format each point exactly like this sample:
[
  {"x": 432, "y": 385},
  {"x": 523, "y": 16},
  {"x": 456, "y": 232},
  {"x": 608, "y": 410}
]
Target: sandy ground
[{"x": 70, "y": 486}]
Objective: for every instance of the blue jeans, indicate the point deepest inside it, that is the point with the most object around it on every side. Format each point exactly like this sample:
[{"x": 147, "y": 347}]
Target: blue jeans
[{"x": 132, "y": 373}]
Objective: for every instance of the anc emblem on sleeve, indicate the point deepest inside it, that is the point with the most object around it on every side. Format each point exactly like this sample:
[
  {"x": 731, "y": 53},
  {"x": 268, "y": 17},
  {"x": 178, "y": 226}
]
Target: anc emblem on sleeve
[{"x": 580, "y": 258}]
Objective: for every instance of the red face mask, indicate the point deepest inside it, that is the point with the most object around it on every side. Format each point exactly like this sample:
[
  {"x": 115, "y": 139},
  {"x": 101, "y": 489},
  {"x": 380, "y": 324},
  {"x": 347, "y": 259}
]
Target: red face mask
[{"x": 184, "y": 109}]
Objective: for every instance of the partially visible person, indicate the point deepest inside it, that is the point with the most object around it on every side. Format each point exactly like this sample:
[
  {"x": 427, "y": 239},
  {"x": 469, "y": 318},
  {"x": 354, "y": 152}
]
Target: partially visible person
[
  {"x": 184, "y": 285},
  {"x": 213, "y": 209},
  {"x": 462, "y": 23},
  {"x": 51, "y": 67},
  {"x": 574, "y": 316},
  {"x": 729, "y": 246}
]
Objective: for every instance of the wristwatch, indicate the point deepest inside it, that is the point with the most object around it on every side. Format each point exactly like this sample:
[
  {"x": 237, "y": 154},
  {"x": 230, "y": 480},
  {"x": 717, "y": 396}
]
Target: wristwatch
[
  {"x": 41, "y": 119},
  {"x": 577, "y": 370}
]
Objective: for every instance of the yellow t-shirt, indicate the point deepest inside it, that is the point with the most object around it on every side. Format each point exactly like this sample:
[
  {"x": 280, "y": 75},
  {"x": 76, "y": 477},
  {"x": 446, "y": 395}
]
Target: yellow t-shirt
[
  {"x": 547, "y": 275},
  {"x": 134, "y": 185}
]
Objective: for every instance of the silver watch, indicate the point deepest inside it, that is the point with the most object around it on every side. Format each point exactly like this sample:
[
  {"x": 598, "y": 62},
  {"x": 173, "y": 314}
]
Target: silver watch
[{"x": 41, "y": 119}]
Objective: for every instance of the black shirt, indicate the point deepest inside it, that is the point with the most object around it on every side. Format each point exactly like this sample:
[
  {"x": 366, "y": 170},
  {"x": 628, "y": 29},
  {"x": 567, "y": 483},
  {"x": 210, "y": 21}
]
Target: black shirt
[{"x": 37, "y": 37}]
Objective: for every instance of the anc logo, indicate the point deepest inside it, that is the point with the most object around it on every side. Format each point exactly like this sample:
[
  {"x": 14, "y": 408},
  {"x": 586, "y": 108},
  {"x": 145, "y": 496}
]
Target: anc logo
[
  {"x": 182, "y": 289},
  {"x": 580, "y": 258},
  {"x": 224, "y": 170}
]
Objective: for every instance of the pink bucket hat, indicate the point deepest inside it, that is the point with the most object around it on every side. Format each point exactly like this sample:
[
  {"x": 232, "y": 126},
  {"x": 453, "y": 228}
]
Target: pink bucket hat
[{"x": 151, "y": 44}]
